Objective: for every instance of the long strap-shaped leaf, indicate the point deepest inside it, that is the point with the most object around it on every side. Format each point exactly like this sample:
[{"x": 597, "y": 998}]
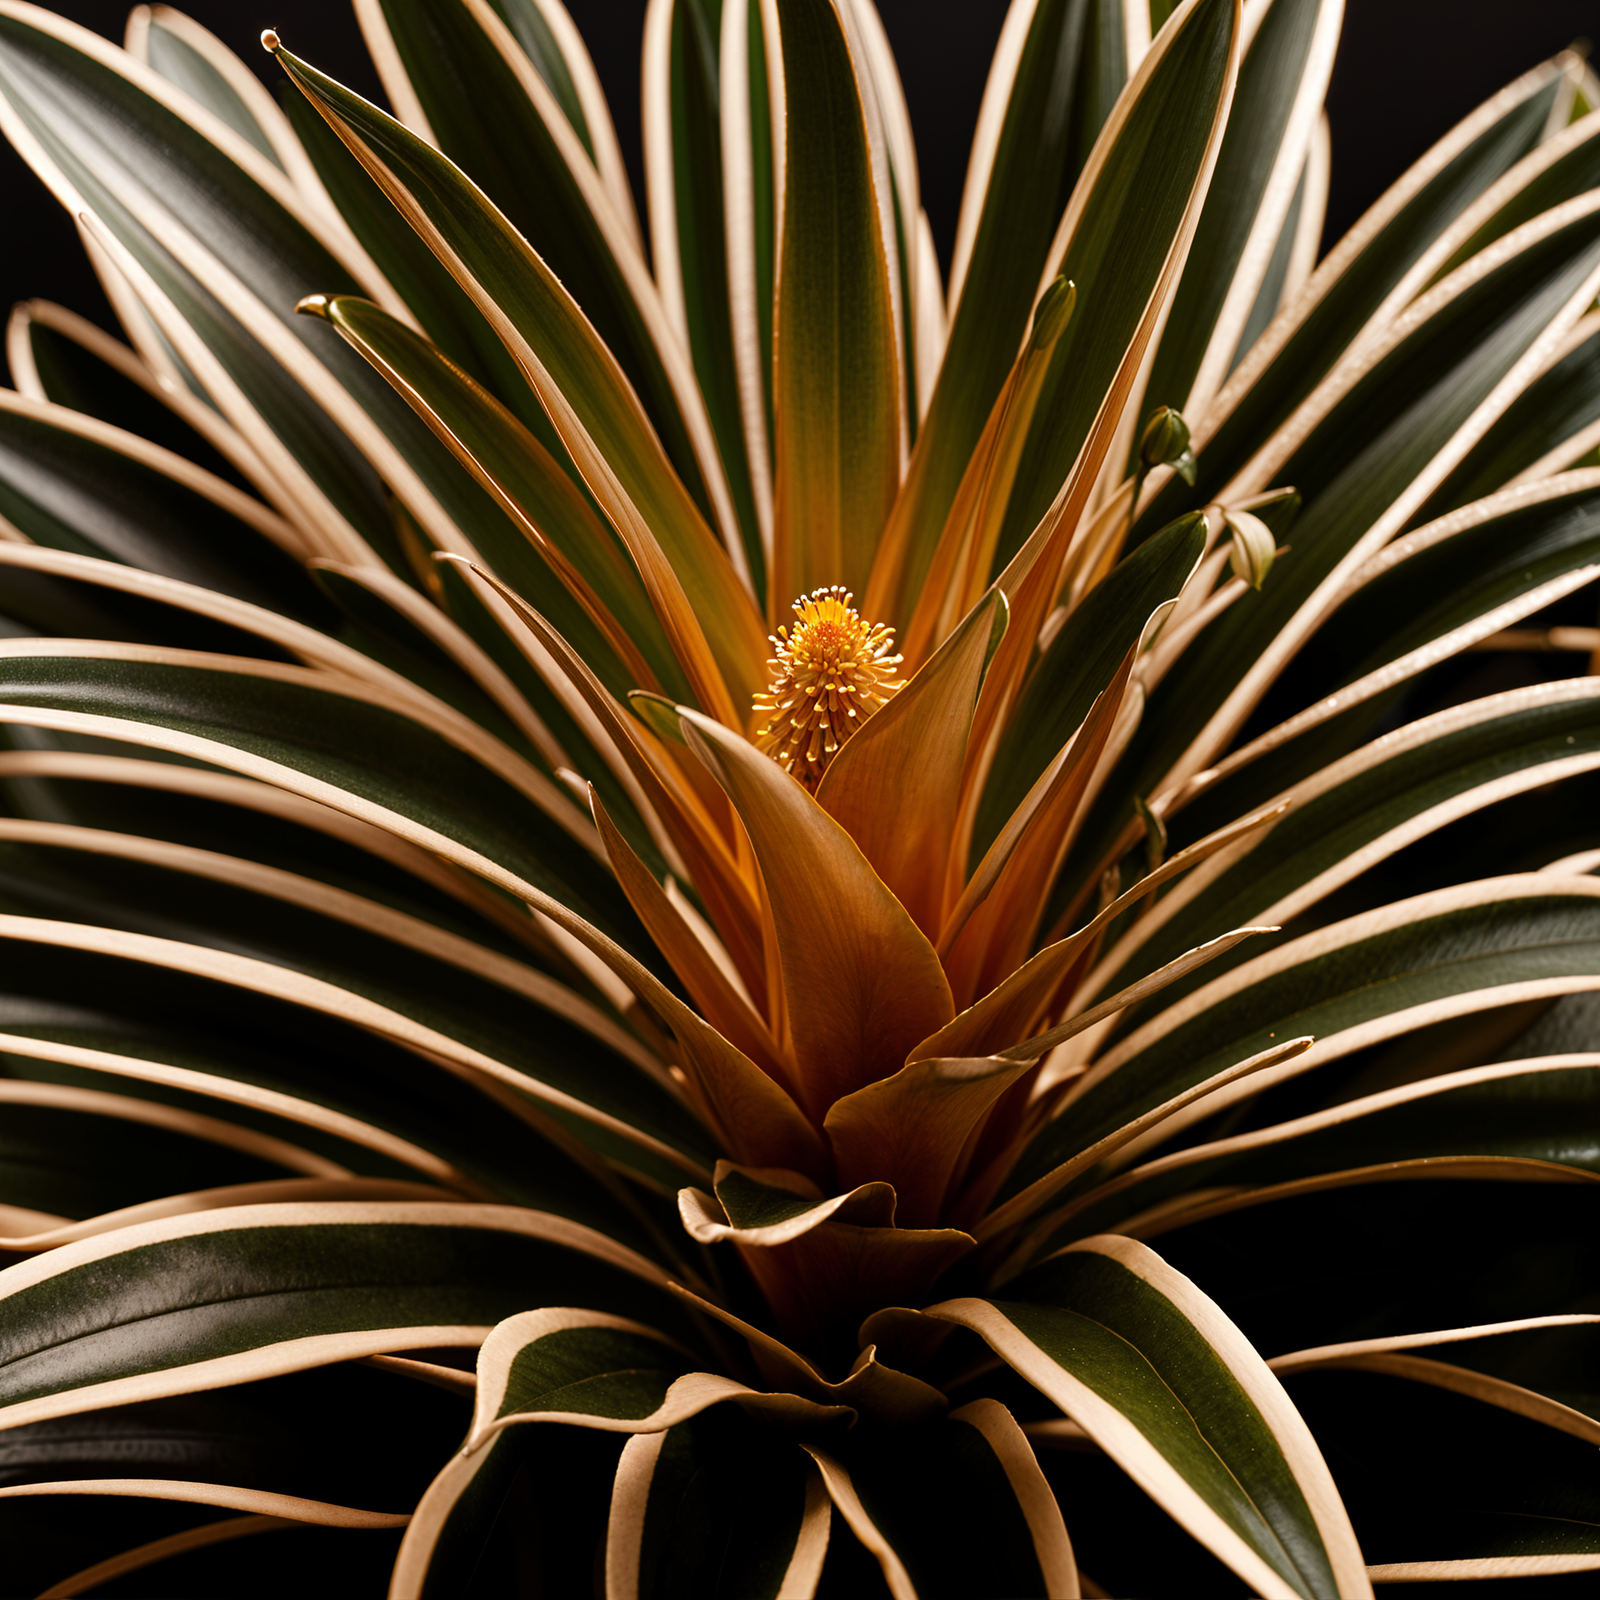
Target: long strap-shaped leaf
[
  {"x": 690, "y": 579},
  {"x": 1359, "y": 810},
  {"x": 1539, "y": 1351},
  {"x": 1282, "y": 80},
  {"x": 649, "y": 1113},
  {"x": 1512, "y": 1121},
  {"x": 1338, "y": 303},
  {"x": 1057, "y": 68},
  {"x": 585, "y": 1368},
  {"x": 1508, "y": 556},
  {"x": 1125, "y": 260},
  {"x": 449, "y": 783},
  {"x": 1451, "y": 953},
  {"x": 292, "y": 1508},
  {"x": 56, "y": 355},
  {"x": 513, "y": 467},
  {"x": 704, "y": 1050},
  {"x": 1403, "y": 413},
  {"x": 689, "y": 218},
  {"x": 735, "y": 1510},
  {"x": 1165, "y": 1384},
  {"x": 838, "y": 387},
  {"x": 80, "y": 1323},
  {"x": 494, "y": 113}
]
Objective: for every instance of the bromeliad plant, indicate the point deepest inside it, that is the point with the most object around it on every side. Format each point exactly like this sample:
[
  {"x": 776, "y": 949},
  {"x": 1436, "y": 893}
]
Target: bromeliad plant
[{"x": 671, "y": 871}]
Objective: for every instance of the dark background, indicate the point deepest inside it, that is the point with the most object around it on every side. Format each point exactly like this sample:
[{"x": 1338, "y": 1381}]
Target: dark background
[{"x": 1406, "y": 71}]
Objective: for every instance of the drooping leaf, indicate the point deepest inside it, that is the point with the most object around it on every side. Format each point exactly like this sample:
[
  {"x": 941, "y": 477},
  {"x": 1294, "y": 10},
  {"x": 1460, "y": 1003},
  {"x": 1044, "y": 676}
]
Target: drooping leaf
[
  {"x": 448, "y": 1274},
  {"x": 910, "y": 1499},
  {"x": 1153, "y": 1371},
  {"x": 716, "y": 1506}
]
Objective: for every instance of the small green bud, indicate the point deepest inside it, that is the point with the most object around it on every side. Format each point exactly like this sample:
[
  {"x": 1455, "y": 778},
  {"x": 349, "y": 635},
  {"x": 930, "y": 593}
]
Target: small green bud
[
  {"x": 1253, "y": 547},
  {"x": 1051, "y": 314},
  {"x": 1165, "y": 443}
]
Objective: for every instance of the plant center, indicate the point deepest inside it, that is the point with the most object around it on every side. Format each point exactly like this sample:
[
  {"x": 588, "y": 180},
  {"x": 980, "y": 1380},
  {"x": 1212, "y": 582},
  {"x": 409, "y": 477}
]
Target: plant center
[{"x": 832, "y": 670}]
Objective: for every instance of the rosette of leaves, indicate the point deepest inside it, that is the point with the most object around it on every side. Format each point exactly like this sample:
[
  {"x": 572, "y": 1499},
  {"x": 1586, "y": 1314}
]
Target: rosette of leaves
[{"x": 1110, "y": 1104}]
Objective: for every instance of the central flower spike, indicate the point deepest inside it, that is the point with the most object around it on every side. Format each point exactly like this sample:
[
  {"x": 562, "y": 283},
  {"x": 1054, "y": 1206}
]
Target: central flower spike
[{"x": 832, "y": 671}]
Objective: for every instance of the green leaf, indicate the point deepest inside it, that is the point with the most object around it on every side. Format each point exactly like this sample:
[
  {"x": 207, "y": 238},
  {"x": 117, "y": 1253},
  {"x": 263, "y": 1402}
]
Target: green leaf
[
  {"x": 1053, "y": 90},
  {"x": 70, "y": 485},
  {"x": 913, "y": 1497},
  {"x": 583, "y": 1368},
  {"x": 1290, "y": 252},
  {"x": 1485, "y": 1494},
  {"x": 555, "y": 1041},
  {"x": 192, "y": 59},
  {"x": 90, "y": 1539},
  {"x": 1361, "y": 471},
  {"x": 1452, "y": 953},
  {"x": 1546, "y": 426},
  {"x": 1079, "y": 662},
  {"x": 1562, "y": 168},
  {"x": 216, "y": 811},
  {"x": 335, "y": 737},
  {"x": 1431, "y": 1255},
  {"x": 688, "y": 228},
  {"x": 492, "y": 114},
  {"x": 1137, "y": 198},
  {"x": 692, "y": 582},
  {"x": 1156, "y": 1374},
  {"x": 1282, "y": 80},
  {"x": 583, "y": 568},
  {"x": 257, "y": 1290},
  {"x": 530, "y": 22},
  {"x": 1454, "y": 1126},
  {"x": 1424, "y": 598},
  {"x": 1354, "y": 813},
  {"x": 111, "y": 146},
  {"x": 308, "y": 1078},
  {"x": 719, "y": 1507},
  {"x": 346, "y": 1436},
  {"x": 1357, "y": 278},
  {"x": 838, "y": 388},
  {"x": 55, "y": 355},
  {"x": 1538, "y": 1367},
  {"x": 74, "y": 1155},
  {"x": 442, "y": 308}
]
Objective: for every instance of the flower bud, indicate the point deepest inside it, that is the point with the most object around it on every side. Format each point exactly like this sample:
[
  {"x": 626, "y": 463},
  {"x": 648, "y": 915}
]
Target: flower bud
[
  {"x": 1253, "y": 547},
  {"x": 1165, "y": 443},
  {"x": 1051, "y": 314}
]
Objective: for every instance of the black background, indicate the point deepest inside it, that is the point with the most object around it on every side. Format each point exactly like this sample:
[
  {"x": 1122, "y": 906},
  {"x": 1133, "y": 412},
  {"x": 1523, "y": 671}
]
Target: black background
[{"x": 1406, "y": 71}]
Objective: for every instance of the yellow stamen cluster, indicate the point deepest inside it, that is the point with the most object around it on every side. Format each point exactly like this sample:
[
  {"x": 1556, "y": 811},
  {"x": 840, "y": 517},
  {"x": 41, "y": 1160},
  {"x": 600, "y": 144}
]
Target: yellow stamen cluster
[{"x": 832, "y": 670}]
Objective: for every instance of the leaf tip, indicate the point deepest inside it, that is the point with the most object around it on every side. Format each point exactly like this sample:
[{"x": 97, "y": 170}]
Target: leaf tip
[{"x": 270, "y": 41}]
